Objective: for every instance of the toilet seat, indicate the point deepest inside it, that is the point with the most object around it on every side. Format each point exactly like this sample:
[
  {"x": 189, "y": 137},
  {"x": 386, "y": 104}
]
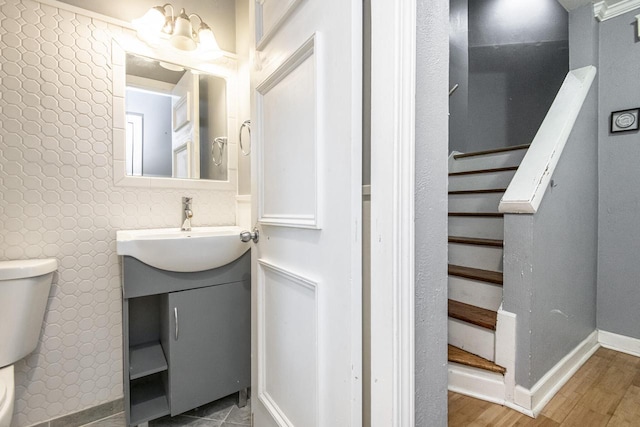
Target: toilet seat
[
  {"x": 3, "y": 392},
  {"x": 6, "y": 395}
]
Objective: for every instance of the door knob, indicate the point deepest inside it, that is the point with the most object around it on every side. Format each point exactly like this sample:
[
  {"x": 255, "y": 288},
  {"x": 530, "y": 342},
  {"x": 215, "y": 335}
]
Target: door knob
[{"x": 254, "y": 235}]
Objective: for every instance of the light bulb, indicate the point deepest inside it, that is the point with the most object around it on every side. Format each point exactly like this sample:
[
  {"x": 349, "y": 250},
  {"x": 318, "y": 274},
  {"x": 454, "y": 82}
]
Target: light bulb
[
  {"x": 208, "y": 43},
  {"x": 152, "y": 21},
  {"x": 182, "y": 37}
]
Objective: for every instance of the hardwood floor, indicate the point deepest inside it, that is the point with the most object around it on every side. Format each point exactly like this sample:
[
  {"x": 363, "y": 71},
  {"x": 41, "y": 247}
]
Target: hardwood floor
[{"x": 604, "y": 392}]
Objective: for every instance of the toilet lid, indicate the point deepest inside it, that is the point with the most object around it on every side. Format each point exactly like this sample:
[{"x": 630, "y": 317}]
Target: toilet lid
[
  {"x": 3, "y": 392},
  {"x": 21, "y": 269}
]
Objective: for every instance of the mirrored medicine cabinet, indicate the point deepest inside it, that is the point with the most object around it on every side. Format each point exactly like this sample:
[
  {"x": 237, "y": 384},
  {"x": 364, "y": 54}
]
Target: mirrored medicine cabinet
[{"x": 173, "y": 119}]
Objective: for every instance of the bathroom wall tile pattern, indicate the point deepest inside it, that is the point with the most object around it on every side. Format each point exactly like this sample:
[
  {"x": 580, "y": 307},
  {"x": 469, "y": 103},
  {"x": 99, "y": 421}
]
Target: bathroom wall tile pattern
[{"x": 58, "y": 201}]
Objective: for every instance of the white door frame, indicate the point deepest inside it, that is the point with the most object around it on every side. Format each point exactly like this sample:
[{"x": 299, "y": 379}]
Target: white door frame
[{"x": 393, "y": 72}]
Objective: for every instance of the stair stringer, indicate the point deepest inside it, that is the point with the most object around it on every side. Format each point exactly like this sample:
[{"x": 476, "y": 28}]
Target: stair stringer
[{"x": 489, "y": 386}]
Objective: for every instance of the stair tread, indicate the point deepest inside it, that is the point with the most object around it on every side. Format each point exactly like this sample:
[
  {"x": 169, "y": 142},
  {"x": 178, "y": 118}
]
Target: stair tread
[
  {"x": 476, "y": 241},
  {"x": 488, "y": 190},
  {"x": 463, "y": 357},
  {"x": 495, "y": 277},
  {"x": 471, "y": 314},
  {"x": 491, "y": 151},
  {"x": 479, "y": 171},
  {"x": 492, "y": 214}
]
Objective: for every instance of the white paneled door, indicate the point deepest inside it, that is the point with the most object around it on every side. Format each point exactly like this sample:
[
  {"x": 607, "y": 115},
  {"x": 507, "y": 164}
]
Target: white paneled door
[{"x": 306, "y": 87}]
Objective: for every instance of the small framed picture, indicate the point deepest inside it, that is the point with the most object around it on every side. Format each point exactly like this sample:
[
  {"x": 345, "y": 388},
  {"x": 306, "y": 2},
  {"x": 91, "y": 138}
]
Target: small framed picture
[{"x": 625, "y": 120}]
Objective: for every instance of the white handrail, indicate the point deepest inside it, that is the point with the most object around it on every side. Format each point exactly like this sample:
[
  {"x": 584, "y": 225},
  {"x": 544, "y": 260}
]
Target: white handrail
[{"x": 528, "y": 185}]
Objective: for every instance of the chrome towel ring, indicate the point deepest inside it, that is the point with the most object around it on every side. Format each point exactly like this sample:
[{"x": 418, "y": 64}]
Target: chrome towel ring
[
  {"x": 220, "y": 142},
  {"x": 245, "y": 124}
]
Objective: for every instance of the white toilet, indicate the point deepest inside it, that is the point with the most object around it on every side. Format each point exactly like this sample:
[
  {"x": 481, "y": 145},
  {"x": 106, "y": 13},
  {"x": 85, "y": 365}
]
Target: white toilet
[{"x": 24, "y": 290}]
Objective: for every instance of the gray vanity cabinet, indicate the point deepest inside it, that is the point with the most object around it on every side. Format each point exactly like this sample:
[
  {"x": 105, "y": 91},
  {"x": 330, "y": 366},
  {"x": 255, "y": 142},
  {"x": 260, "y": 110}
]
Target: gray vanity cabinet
[
  {"x": 186, "y": 337},
  {"x": 208, "y": 348}
]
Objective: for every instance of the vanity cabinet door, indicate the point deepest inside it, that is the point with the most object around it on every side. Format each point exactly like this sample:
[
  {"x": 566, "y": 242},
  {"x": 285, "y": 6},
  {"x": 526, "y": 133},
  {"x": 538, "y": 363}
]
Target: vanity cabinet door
[{"x": 209, "y": 344}]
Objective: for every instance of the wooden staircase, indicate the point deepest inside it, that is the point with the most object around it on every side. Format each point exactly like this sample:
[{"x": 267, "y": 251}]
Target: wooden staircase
[{"x": 477, "y": 182}]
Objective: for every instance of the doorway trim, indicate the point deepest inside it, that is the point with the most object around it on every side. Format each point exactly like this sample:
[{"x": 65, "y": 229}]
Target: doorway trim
[{"x": 393, "y": 79}]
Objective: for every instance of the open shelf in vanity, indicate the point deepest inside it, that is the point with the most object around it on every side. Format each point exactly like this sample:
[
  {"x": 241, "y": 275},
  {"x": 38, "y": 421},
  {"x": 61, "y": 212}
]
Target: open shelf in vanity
[
  {"x": 186, "y": 337},
  {"x": 146, "y": 359}
]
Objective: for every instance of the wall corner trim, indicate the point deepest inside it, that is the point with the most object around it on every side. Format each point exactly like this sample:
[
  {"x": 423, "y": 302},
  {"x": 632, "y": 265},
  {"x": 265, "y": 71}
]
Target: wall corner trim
[
  {"x": 620, "y": 343},
  {"x": 607, "y": 9}
]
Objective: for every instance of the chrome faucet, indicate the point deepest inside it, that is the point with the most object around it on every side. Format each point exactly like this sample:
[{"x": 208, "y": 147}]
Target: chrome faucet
[{"x": 187, "y": 214}]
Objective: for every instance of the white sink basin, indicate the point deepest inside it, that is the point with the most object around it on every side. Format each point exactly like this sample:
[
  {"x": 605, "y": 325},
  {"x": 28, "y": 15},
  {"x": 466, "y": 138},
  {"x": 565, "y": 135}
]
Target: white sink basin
[{"x": 202, "y": 248}]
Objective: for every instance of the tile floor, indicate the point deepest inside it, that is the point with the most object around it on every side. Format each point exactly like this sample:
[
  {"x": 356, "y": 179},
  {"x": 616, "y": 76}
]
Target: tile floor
[{"x": 221, "y": 413}]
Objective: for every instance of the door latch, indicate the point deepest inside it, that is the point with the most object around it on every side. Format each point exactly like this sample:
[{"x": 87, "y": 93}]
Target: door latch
[{"x": 254, "y": 235}]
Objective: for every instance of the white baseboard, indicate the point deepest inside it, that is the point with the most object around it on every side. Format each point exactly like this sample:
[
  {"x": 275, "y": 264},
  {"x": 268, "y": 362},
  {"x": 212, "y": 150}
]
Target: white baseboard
[
  {"x": 498, "y": 389},
  {"x": 541, "y": 393},
  {"x": 619, "y": 343},
  {"x": 476, "y": 383}
]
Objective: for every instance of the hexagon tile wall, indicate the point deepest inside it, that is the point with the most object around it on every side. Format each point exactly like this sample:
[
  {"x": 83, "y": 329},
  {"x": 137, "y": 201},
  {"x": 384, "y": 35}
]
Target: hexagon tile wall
[{"x": 58, "y": 200}]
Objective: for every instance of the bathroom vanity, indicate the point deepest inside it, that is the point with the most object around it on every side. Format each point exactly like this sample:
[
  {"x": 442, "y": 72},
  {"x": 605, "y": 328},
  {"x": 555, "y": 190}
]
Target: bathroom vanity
[{"x": 186, "y": 336}]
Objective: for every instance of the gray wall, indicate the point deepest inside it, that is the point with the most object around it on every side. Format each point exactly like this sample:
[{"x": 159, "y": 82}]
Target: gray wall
[
  {"x": 219, "y": 14},
  {"x": 619, "y": 225},
  {"x": 500, "y": 22},
  {"x": 553, "y": 276},
  {"x": 517, "y": 60},
  {"x": 552, "y": 279},
  {"x": 511, "y": 88},
  {"x": 432, "y": 64},
  {"x": 366, "y": 93},
  {"x": 459, "y": 74},
  {"x": 156, "y": 134}
]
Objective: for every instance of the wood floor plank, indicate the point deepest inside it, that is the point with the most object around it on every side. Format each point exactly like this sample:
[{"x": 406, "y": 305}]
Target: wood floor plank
[
  {"x": 627, "y": 360},
  {"x": 601, "y": 393},
  {"x": 560, "y": 406},
  {"x": 494, "y": 415},
  {"x": 597, "y": 400},
  {"x": 586, "y": 376},
  {"x": 584, "y": 416},
  {"x": 628, "y": 411},
  {"x": 636, "y": 380}
]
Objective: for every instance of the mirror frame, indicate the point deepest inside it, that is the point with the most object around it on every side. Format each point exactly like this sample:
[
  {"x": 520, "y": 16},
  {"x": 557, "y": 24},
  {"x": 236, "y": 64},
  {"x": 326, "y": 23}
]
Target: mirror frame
[{"x": 224, "y": 67}]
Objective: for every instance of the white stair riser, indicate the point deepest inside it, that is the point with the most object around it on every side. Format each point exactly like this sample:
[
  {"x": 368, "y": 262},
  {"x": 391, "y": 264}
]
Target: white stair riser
[
  {"x": 483, "y": 257},
  {"x": 474, "y": 292},
  {"x": 488, "y": 161},
  {"x": 472, "y": 338},
  {"x": 479, "y": 227},
  {"x": 480, "y": 181},
  {"x": 483, "y": 202}
]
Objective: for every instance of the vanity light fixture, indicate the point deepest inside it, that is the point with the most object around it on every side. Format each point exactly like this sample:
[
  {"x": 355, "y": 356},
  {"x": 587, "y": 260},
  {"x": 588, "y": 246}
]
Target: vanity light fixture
[{"x": 159, "y": 28}]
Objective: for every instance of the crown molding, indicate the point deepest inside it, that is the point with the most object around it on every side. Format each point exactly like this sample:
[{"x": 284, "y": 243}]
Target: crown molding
[
  {"x": 608, "y": 9},
  {"x": 569, "y": 5}
]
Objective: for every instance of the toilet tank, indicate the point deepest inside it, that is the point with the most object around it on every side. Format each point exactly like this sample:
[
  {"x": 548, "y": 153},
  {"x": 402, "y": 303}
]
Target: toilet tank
[{"x": 24, "y": 291}]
